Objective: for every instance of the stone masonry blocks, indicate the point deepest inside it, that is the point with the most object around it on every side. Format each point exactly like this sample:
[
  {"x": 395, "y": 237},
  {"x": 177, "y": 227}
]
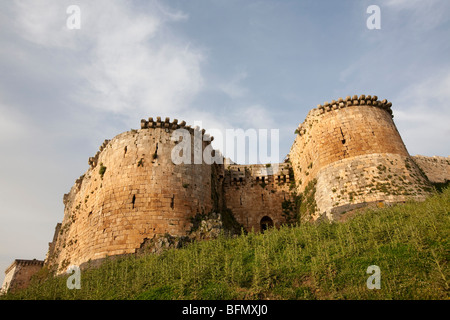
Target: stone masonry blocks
[
  {"x": 140, "y": 194},
  {"x": 132, "y": 191}
]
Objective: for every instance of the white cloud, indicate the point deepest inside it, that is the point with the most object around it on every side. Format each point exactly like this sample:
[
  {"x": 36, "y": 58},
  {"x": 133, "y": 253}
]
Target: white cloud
[
  {"x": 42, "y": 22},
  {"x": 423, "y": 116},
  {"x": 245, "y": 119},
  {"x": 257, "y": 116},
  {"x": 234, "y": 88},
  {"x": 431, "y": 94},
  {"x": 129, "y": 64}
]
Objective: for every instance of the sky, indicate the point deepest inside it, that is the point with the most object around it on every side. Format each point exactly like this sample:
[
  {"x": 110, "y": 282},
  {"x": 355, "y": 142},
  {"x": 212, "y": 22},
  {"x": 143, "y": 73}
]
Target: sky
[{"x": 249, "y": 64}]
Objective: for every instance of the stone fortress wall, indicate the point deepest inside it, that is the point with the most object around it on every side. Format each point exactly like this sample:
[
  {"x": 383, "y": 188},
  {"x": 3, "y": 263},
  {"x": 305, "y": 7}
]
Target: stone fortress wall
[
  {"x": 19, "y": 273},
  {"x": 255, "y": 194},
  {"x": 352, "y": 152},
  {"x": 140, "y": 194},
  {"x": 437, "y": 169},
  {"x": 348, "y": 151}
]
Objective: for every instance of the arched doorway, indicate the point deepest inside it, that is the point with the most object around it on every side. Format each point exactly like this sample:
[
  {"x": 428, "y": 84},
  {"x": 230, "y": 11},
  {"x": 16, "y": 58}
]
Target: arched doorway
[{"x": 266, "y": 223}]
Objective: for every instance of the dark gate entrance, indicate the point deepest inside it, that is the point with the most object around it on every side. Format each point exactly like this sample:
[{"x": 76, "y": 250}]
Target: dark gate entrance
[{"x": 266, "y": 223}]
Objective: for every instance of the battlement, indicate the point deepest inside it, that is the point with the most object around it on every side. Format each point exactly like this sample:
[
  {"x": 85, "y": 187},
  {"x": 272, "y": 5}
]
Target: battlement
[
  {"x": 18, "y": 275},
  {"x": 158, "y": 123},
  {"x": 174, "y": 125},
  {"x": 21, "y": 262},
  {"x": 341, "y": 103},
  {"x": 93, "y": 160},
  {"x": 256, "y": 173}
]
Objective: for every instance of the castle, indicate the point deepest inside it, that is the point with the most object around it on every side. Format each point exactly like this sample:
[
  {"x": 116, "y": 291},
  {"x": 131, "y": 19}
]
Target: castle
[{"x": 347, "y": 154}]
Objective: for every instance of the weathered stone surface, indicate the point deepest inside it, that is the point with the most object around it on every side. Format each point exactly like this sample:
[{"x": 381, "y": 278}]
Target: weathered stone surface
[
  {"x": 437, "y": 169},
  {"x": 357, "y": 156},
  {"x": 209, "y": 228},
  {"x": 141, "y": 193},
  {"x": 253, "y": 192},
  {"x": 134, "y": 198},
  {"x": 18, "y": 274}
]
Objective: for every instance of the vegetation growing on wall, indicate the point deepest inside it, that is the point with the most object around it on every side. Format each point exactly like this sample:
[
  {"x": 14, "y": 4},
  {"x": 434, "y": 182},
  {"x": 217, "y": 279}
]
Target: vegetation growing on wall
[
  {"x": 291, "y": 210},
  {"x": 301, "y": 206},
  {"x": 102, "y": 170},
  {"x": 308, "y": 206},
  {"x": 291, "y": 178}
]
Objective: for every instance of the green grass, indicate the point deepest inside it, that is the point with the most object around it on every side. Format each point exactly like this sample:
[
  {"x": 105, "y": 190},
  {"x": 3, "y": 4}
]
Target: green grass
[
  {"x": 102, "y": 170},
  {"x": 409, "y": 242}
]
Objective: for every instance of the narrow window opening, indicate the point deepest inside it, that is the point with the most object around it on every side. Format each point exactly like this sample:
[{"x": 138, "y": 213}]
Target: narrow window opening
[
  {"x": 343, "y": 138},
  {"x": 133, "y": 200},
  {"x": 172, "y": 201},
  {"x": 155, "y": 155}
]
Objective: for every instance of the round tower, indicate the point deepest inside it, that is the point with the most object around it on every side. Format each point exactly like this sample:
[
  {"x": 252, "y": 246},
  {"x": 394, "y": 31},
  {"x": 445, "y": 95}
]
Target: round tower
[
  {"x": 132, "y": 192},
  {"x": 351, "y": 153}
]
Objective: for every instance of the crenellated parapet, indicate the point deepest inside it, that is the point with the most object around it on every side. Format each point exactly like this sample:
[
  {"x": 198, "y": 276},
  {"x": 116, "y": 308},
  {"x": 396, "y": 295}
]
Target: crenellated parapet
[
  {"x": 21, "y": 262},
  {"x": 93, "y": 160},
  {"x": 341, "y": 103},
  {"x": 162, "y": 124},
  {"x": 158, "y": 123},
  {"x": 173, "y": 125},
  {"x": 257, "y": 174},
  {"x": 19, "y": 274},
  {"x": 355, "y": 101}
]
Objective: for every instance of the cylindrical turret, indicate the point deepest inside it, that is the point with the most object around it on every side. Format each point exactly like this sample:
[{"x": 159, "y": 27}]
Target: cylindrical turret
[
  {"x": 132, "y": 192},
  {"x": 351, "y": 151}
]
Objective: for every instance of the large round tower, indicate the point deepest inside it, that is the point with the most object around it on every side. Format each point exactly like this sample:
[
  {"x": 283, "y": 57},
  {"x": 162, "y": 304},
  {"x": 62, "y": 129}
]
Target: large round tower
[
  {"x": 351, "y": 153},
  {"x": 132, "y": 192}
]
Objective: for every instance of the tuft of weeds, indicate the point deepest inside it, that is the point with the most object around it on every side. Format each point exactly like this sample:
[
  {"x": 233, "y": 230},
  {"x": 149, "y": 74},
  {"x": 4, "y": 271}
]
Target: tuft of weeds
[{"x": 102, "y": 170}]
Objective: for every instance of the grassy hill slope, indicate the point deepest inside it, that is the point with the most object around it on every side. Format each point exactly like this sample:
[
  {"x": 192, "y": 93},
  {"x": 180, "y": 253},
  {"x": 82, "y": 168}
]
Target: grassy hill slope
[{"x": 409, "y": 243}]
